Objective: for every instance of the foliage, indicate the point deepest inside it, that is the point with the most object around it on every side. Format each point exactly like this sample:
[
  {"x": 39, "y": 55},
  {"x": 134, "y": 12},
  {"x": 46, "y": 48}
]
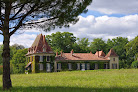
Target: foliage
[
  {"x": 17, "y": 46},
  {"x": 18, "y": 61},
  {"x": 115, "y": 80},
  {"x": 134, "y": 64},
  {"x": 132, "y": 49},
  {"x": 118, "y": 44},
  {"x": 97, "y": 45},
  {"x": 123, "y": 64},
  {"x": 82, "y": 45},
  {"x": 61, "y": 41}
]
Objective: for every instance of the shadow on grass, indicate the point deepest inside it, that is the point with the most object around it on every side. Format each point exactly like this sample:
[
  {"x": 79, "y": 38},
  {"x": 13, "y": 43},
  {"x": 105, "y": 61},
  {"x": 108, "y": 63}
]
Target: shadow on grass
[{"x": 69, "y": 89}]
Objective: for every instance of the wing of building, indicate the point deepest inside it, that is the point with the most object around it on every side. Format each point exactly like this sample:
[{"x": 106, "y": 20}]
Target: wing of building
[{"x": 41, "y": 58}]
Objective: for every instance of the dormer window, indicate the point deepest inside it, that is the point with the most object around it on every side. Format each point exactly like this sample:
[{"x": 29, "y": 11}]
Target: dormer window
[{"x": 44, "y": 49}]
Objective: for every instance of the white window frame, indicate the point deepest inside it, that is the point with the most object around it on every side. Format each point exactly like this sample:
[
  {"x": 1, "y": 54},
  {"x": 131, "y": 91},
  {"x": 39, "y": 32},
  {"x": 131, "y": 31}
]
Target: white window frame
[
  {"x": 70, "y": 66},
  {"x": 44, "y": 49},
  {"x": 41, "y": 59},
  {"x": 83, "y": 66},
  {"x": 41, "y": 66},
  {"x": 88, "y": 66},
  {"x": 78, "y": 66},
  {"x": 59, "y": 66},
  {"x": 48, "y": 67}
]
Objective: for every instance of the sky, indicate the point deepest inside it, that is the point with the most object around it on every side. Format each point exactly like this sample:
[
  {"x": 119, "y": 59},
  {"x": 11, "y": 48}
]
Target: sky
[{"x": 105, "y": 19}]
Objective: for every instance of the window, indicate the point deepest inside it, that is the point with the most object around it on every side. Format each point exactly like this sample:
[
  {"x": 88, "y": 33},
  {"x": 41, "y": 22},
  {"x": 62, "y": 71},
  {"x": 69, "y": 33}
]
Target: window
[
  {"x": 59, "y": 66},
  {"x": 40, "y": 66},
  {"x": 78, "y": 66},
  {"x": 96, "y": 66},
  {"x": 69, "y": 65},
  {"x": 83, "y": 66},
  {"x": 44, "y": 49},
  {"x": 88, "y": 66},
  {"x": 41, "y": 59},
  {"x": 114, "y": 66},
  {"x": 48, "y": 58},
  {"x": 113, "y": 59},
  {"x": 48, "y": 67}
]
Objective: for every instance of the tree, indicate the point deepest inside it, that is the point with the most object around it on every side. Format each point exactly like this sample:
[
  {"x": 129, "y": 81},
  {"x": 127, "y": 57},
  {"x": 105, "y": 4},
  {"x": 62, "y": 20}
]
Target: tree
[
  {"x": 17, "y": 46},
  {"x": 61, "y": 41},
  {"x": 132, "y": 49},
  {"x": 118, "y": 44},
  {"x": 46, "y": 14},
  {"x": 18, "y": 61},
  {"x": 98, "y": 44},
  {"x": 82, "y": 45}
]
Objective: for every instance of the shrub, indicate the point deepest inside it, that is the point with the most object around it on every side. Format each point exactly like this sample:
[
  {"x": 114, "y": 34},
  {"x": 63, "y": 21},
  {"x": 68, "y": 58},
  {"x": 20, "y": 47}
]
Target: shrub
[{"x": 134, "y": 64}]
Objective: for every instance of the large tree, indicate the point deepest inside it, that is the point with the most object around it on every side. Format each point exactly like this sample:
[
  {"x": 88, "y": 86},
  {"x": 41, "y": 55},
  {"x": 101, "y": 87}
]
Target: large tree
[
  {"x": 97, "y": 45},
  {"x": 61, "y": 41},
  {"x": 18, "y": 61},
  {"x": 81, "y": 45},
  {"x": 47, "y": 14},
  {"x": 132, "y": 49}
]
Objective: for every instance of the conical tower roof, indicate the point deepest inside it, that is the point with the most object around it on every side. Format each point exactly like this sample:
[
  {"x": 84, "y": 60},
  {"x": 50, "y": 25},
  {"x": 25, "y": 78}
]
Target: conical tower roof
[
  {"x": 111, "y": 53},
  {"x": 40, "y": 45}
]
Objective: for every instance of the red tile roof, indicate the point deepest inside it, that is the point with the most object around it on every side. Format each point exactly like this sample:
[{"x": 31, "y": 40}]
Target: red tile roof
[
  {"x": 111, "y": 53},
  {"x": 79, "y": 56},
  {"x": 38, "y": 45}
]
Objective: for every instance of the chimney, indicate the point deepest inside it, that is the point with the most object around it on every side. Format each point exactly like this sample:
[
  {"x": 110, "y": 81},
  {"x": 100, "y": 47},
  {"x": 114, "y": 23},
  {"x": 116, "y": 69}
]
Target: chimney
[
  {"x": 98, "y": 53},
  {"x": 90, "y": 52},
  {"x": 56, "y": 54},
  {"x": 72, "y": 52},
  {"x": 61, "y": 53}
]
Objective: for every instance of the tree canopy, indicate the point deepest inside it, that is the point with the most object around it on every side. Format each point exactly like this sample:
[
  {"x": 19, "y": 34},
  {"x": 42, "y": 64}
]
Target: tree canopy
[
  {"x": 18, "y": 61},
  {"x": 97, "y": 45}
]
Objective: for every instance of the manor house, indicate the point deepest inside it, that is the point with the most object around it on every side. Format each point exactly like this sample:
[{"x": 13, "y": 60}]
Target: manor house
[{"x": 41, "y": 58}]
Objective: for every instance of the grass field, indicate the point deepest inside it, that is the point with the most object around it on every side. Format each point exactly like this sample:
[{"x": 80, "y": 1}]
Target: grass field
[{"x": 123, "y": 80}]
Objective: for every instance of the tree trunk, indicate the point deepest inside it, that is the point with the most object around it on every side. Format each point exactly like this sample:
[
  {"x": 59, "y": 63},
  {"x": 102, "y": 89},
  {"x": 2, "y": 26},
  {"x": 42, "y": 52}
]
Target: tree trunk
[
  {"x": 6, "y": 49},
  {"x": 6, "y": 63}
]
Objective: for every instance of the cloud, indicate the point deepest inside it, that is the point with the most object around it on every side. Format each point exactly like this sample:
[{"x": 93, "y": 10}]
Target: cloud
[
  {"x": 104, "y": 27},
  {"x": 115, "y": 6},
  {"x": 89, "y": 27},
  {"x": 23, "y": 39}
]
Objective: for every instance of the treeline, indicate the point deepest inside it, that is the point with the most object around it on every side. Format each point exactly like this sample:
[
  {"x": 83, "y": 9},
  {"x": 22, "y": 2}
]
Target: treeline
[
  {"x": 17, "y": 58},
  {"x": 126, "y": 50}
]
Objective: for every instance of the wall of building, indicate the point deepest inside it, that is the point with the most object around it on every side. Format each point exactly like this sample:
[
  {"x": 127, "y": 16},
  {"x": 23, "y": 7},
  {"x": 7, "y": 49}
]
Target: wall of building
[{"x": 114, "y": 60}]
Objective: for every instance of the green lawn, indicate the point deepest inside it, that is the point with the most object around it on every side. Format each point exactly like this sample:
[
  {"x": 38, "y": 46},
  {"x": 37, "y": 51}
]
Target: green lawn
[{"x": 123, "y": 80}]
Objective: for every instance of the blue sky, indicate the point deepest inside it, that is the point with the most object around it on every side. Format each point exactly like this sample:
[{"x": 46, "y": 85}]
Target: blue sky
[{"x": 105, "y": 19}]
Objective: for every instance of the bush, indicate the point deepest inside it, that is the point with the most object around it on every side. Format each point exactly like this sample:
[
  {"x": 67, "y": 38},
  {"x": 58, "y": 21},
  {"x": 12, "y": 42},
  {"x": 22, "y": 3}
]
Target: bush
[{"x": 134, "y": 64}]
